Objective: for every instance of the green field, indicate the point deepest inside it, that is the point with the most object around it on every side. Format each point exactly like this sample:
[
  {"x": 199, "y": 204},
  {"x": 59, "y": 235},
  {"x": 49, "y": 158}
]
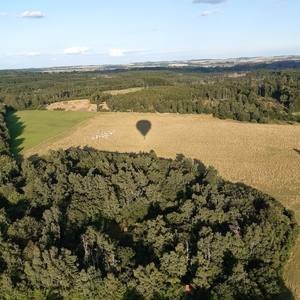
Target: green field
[{"x": 30, "y": 128}]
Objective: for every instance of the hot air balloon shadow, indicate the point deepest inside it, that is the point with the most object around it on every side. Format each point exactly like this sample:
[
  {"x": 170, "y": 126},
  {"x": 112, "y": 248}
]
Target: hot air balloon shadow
[{"x": 143, "y": 126}]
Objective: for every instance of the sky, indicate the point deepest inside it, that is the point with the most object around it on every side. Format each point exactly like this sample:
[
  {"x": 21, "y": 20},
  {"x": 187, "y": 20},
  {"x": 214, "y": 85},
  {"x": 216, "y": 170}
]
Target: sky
[{"x": 45, "y": 33}]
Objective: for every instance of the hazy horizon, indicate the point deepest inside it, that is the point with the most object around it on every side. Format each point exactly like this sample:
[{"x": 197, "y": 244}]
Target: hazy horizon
[
  {"x": 153, "y": 62},
  {"x": 39, "y": 34}
]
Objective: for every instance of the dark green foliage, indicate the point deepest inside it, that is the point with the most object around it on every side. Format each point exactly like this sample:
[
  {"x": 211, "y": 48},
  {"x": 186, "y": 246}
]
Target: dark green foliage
[
  {"x": 4, "y": 136},
  {"x": 136, "y": 222},
  {"x": 258, "y": 97},
  {"x": 8, "y": 166},
  {"x": 33, "y": 90}
]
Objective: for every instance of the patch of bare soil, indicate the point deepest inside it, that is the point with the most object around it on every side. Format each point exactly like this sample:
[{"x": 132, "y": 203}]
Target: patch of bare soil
[{"x": 73, "y": 105}]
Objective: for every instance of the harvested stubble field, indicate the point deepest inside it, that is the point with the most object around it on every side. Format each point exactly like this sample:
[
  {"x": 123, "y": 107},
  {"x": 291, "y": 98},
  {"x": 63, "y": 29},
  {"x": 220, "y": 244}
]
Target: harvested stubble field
[{"x": 264, "y": 156}]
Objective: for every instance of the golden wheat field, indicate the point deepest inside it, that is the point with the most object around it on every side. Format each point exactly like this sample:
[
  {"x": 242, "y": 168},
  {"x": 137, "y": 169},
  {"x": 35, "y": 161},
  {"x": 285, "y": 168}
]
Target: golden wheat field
[{"x": 264, "y": 156}]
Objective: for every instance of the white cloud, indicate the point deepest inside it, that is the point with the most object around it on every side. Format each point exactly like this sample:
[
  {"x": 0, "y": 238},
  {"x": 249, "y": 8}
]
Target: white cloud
[
  {"x": 115, "y": 52},
  {"x": 207, "y": 13},
  {"x": 76, "y": 50},
  {"x": 3, "y": 14},
  {"x": 33, "y": 53},
  {"x": 32, "y": 14},
  {"x": 209, "y": 1}
]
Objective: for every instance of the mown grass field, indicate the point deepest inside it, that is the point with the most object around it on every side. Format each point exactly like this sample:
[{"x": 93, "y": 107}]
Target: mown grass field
[
  {"x": 30, "y": 128},
  {"x": 264, "y": 156}
]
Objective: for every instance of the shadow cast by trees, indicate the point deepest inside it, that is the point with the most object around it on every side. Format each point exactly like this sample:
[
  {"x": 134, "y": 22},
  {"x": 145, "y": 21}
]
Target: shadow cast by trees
[
  {"x": 15, "y": 128},
  {"x": 285, "y": 294}
]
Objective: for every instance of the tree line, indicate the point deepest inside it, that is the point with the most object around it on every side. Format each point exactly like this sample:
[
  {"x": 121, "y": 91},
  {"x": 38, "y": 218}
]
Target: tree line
[
  {"x": 34, "y": 90},
  {"x": 87, "y": 224},
  {"x": 260, "y": 96}
]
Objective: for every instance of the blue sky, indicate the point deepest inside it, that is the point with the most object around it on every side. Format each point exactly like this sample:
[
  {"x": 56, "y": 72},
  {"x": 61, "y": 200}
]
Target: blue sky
[{"x": 40, "y": 33}]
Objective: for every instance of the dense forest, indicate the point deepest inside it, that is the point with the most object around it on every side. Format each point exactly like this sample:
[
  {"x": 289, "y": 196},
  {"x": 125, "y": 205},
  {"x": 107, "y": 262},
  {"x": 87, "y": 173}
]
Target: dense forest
[
  {"x": 86, "y": 224},
  {"x": 260, "y": 96}
]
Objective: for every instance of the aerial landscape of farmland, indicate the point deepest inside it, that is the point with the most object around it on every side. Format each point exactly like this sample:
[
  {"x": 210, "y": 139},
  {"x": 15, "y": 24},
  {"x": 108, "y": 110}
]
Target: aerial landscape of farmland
[{"x": 150, "y": 150}]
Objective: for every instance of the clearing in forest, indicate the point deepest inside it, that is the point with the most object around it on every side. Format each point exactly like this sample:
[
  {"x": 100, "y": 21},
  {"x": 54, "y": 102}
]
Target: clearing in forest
[
  {"x": 85, "y": 104},
  {"x": 73, "y": 105},
  {"x": 124, "y": 91}
]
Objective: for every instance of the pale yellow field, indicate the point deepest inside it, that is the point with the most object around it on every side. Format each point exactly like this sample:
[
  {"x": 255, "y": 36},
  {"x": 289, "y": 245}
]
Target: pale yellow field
[
  {"x": 124, "y": 91},
  {"x": 263, "y": 156}
]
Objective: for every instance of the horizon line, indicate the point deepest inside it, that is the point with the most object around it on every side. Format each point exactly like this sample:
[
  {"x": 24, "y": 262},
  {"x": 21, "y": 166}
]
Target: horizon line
[{"x": 224, "y": 59}]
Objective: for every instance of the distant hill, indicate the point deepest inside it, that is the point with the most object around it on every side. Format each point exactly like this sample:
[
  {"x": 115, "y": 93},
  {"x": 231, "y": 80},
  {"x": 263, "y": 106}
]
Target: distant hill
[{"x": 238, "y": 64}]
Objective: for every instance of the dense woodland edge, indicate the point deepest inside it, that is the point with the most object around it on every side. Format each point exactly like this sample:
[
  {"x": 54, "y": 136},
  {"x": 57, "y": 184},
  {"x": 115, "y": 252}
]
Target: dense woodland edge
[
  {"x": 86, "y": 224},
  {"x": 258, "y": 97}
]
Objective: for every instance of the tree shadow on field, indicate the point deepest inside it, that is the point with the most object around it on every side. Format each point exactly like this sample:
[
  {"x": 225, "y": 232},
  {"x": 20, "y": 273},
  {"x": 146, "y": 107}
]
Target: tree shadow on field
[
  {"x": 297, "y": 150},
  {"x": 15, "y": 128},
  {"x": 285, "y": 294}
]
